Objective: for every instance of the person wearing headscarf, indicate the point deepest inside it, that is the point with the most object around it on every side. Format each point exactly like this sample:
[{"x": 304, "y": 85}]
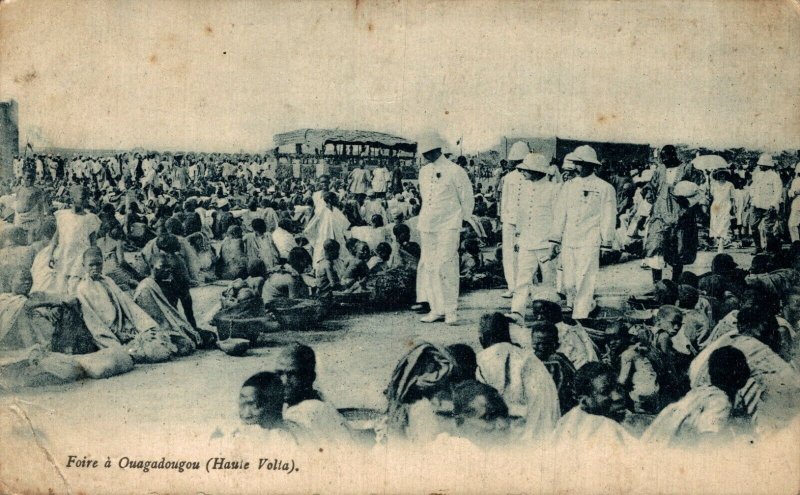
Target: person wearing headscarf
[{"x": 422, "y": 373}]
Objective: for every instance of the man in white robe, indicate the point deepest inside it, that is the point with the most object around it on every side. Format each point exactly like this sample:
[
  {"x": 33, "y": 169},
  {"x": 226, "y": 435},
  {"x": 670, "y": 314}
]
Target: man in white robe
[{"x": 447, "y": 200}]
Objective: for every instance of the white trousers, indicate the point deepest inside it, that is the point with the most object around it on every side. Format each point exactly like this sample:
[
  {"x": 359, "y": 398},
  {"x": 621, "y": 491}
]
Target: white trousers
[
  {"x": 510, "y": 254},
  {"x": 437, "y": 272},
  {"x": 581, "y": 265},
  {"x": 528, "y": 262},
  {"x": 794, "y": 224}
]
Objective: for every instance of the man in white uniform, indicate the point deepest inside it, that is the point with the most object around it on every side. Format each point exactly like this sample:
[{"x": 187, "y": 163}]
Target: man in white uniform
[
  {"x": 766, "y": 193},
  {"x": 509, "y": 208},
  {"x": 446, "y": 200},
  {"x": 537, "y": 196},
  {"x": 583, "y": 221}
]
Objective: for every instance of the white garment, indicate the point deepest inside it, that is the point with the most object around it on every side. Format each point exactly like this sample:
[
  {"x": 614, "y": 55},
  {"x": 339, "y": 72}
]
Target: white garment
[
  {"x": 510, "y": 257},
  {"x": 579, "y": 428},
  {"x": 584, "y": 219},
  {"x": 284, "y": 242},
  {"x": 575, "y": 344},
  {"x": 580, "y": 268},
  {"x": 528, "y": 262},
  {"x": 500, "y": 366},
  {"x": 509, "y": 212},
  {"x": 721, "y": 209},
  {"x": 380, "y": 179},
  {"x": 438, "y": 271},
  {"x": 779, "y": 381},
  {"x": 447, "y": 197},
  {"x": 586, "y": 213},
  {"x": 766, "y": 190},
  {"x": 794, "y": 214},
  {"x": 702, "y": 410},
  {"x": 320, "y": 422}
]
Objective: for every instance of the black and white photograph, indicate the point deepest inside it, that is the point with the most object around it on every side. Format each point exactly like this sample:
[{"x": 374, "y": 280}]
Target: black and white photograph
[{"x": 399, "y": 246}]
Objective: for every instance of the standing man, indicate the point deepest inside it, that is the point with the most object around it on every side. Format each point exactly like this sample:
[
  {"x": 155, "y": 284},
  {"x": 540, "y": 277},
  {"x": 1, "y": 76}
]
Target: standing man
[
  {"x": 583, "y": 222},
  {"x": 358, "y": 181},
  {"x": 446, "y": 201},
  {"x": 663, "y": 220},
  {"x": 380, "y": 180},
  {"x": 509, "y": 211},
  {"x": 30, "y": 205},
  {"x": 537, "y": 195},
  {"x": 766, "y": 193}
]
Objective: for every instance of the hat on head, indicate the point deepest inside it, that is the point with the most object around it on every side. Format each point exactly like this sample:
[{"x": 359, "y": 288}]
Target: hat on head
[
  {"x": 518, "y": 151},
  {"x": 535, "y": 162},
  {"x": 569, "y": 163},
  {"x": 765, "y": 160},
  {"x": 431, "y": 141},
  {"x": 685, "y": 189},
  {"x": 585, "y": 154},
  {"x": 545, "y": 294}
]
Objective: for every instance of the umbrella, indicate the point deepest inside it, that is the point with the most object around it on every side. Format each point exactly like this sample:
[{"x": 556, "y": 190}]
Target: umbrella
[{"x": 709, "y": 162}]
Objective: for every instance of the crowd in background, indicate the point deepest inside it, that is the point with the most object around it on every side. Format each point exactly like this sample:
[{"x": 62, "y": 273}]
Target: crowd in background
[{"x": 99, "y": 256}]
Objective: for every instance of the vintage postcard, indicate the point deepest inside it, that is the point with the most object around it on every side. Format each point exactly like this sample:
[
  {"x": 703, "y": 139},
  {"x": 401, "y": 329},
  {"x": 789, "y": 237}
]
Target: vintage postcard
[{"x": 399, "y": 246}]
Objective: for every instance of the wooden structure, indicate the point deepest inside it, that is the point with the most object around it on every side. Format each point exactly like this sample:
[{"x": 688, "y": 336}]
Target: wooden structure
[{"x": 343, "y": 149}]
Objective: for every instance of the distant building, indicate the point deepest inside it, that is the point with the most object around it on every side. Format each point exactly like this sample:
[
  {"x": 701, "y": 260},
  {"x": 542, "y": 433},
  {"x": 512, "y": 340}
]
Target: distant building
[{"x": 9, "y": 136}]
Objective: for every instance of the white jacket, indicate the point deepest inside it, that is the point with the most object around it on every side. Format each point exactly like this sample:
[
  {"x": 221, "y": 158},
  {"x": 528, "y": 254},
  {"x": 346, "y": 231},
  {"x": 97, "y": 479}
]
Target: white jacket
[
  {"x": 536, "y": 201},
  {"x": 586, "y": 213},
  {"x": 766, "y": 191},
  {"x": 510, "y": 197},
  {"x": 446, "y": 196}
]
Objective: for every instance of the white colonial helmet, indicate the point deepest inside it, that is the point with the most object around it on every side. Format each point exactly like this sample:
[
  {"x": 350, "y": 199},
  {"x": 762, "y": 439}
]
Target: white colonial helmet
[
  {"x": 431, "y": 141},
  {"x": 535, "y": 162},
  {"x": 568, "y": 164},
  {"x": 518, "y": 151},
  {"x": 585, "y": 154},
  {"x": 765, "y": 160}
]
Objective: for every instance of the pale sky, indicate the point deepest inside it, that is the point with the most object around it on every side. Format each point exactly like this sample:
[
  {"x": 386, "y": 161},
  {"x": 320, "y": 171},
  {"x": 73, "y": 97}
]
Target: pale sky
[{"x": 226, "y": 76}]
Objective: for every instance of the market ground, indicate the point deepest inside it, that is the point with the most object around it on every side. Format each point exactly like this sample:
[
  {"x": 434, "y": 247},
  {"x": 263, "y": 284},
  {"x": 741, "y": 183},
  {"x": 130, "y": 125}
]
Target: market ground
[{"x": 355, "y": 358}]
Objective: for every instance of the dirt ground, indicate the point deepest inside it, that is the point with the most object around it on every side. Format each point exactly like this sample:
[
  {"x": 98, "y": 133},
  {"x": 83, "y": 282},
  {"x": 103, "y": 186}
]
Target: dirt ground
[{"x": 355, "y": 358}]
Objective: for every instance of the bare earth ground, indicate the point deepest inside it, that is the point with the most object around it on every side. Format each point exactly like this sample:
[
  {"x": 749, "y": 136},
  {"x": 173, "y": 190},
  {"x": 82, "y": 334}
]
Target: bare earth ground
[{"x": 355, "y": 358}]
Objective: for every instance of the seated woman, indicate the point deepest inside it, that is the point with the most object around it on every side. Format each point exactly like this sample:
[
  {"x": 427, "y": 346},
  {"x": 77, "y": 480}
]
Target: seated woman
[
  {"x": 113, "y": 318},
  {"x": 287, "y": 282},
  {"x": 473, "y": 272},
  {"x": 372, "y": 235},
  {"x": 158, "y": 295},
  {"x": 418, "y": 377},
  {"x": 232, "y": 262},
  {"x": 379, "y": 263},
  {"x": 204, "y": 253}
]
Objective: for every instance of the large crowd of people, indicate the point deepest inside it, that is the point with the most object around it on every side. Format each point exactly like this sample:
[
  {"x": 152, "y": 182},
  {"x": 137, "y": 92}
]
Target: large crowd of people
[{"x": 99, "y": 256}]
